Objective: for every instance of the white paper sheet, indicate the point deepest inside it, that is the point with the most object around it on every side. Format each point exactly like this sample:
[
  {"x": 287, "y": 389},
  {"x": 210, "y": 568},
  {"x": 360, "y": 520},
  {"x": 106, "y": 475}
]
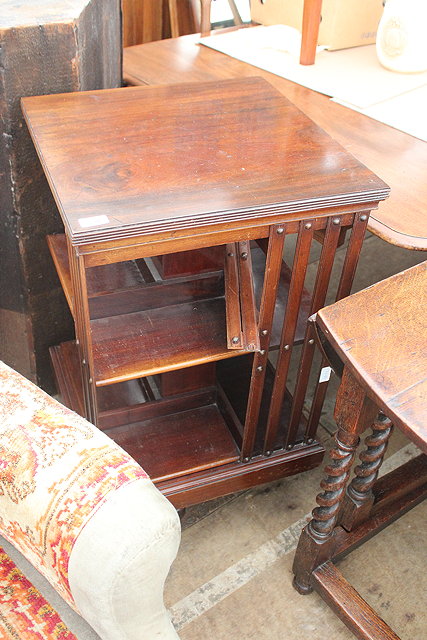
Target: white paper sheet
[
  {"x": 407, "y": 112},
  {"x": 353, "y": 77}
]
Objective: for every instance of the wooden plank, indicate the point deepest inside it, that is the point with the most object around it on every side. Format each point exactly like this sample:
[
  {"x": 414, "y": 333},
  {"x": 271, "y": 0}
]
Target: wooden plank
[
  {"x": 247, "y": 298},
  {"x": 395, "y": 494},
  {"x": 348, "y": 604},
  {"x": 219, "y": 481},
  {"x": 232, "y": 298},
  {"x": 65, "y": 362}
]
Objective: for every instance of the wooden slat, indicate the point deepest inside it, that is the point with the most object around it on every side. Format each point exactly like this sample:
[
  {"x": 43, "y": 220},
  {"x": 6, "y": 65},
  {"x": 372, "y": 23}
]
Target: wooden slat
[
  {"x": 232, "y": 298},
  {"x": 299, "y": 269},
  {"x": 349, "y": 605},
  {"x": 247, "y": 298},
  {"x": 267, "y": 307},
  {"x": 259, "y": 265}
]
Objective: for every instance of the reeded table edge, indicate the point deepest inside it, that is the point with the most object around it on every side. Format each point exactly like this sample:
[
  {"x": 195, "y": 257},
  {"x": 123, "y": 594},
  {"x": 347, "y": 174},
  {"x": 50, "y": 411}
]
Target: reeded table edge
[{"x": 222, "y": 217}]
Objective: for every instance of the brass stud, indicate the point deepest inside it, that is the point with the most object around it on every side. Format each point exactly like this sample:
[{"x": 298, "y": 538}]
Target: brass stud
[
  {"x": 264, "y": 332},
  {"x": 244, "y": 255},
  {"x": 280, "y": 230},
  {"x": 307, "y": 226},
  {"x": 268, "y": 453},
  {"x": 336, "y": 221},
  {"x": 260, "y": 368},
  {"x": 235, "y": 340},
  {"x": 262, "y": 352},
  {"x": 364, "y": 217},
  {"x": 246, "y": 459},
  {"x": 231, "y": 254},
  {"x": 311, "y": 341},
  {"x": 286, "y": 347},
  {"x": 309, "y": 441}
]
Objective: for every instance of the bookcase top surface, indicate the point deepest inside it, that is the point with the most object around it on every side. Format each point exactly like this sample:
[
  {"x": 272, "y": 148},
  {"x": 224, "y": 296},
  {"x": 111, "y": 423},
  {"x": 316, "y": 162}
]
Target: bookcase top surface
[{"x": 137, "y": 160}]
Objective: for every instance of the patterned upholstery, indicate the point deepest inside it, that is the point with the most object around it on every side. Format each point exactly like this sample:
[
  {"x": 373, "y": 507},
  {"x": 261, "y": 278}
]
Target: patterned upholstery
[{"x": 57, "y": 471}]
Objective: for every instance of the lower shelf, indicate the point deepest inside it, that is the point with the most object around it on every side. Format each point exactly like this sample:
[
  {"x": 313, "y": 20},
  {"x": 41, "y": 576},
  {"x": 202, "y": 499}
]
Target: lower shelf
[
  {"x": 178, "y": 443},
  {"x": 168, "y": 437},
  {"x": 184, "y": 442}
]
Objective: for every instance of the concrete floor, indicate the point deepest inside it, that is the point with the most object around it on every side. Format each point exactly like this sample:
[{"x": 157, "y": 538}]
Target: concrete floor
[{"x": 232, "y": 577}]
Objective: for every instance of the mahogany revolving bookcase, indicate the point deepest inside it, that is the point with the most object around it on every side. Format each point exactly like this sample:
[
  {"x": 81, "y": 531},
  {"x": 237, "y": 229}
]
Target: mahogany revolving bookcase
[{"x": 177, "y": 202}]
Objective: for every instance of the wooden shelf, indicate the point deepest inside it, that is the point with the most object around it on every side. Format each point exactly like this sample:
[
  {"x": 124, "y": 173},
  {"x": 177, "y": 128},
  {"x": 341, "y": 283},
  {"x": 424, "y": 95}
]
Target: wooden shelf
[
  {"x": 178, "y": 443},
  {"x": 103, "y": 280},
  {"x": 157, "y": 340},
  {"x": 112, "y": 399},
  {"x": 135, "y": 335},
  {"x": 189, "y": 429}
]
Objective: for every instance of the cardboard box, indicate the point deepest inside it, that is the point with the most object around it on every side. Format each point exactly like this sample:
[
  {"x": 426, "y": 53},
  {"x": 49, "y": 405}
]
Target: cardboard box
[{"x": 345, "y": 23}]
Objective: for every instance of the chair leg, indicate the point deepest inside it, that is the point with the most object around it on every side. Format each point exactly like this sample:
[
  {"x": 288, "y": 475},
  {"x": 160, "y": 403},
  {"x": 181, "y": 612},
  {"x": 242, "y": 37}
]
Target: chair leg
[
  {"x": 236, "y": 15},
  {"x": 316, "y": 543},
  {"x": 205, "y": 21},
  {"x": 359, "y": 500},
  {"x": 353, "y": 412},
  {"x": 310, "y": 30}
]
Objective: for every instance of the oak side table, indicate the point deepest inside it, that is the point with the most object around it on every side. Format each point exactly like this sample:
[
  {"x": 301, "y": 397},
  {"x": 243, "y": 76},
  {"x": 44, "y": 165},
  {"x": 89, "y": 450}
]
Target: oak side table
[{"x": 177, "y": 202}]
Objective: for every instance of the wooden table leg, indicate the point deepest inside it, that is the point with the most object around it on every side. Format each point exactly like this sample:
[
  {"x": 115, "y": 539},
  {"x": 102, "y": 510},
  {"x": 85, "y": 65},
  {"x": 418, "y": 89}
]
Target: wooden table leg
[{"x": 310, "y": 30}]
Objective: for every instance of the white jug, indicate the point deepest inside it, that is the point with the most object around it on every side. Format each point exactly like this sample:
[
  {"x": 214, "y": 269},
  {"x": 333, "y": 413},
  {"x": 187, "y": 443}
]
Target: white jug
[{"x": 402, "y": 36}]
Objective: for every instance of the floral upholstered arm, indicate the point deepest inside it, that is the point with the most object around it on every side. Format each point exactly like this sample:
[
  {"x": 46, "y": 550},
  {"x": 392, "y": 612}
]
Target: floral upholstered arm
[{"x": 84, "y": 513}]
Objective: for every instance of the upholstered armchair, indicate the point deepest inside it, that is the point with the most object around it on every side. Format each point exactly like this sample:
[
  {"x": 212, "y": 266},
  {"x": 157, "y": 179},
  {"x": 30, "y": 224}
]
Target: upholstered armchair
[{"x": 85, "y": 514}]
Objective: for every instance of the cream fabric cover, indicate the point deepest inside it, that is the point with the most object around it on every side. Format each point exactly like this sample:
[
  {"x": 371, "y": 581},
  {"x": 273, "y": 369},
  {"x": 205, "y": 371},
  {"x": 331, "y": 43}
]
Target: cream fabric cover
[{"x": 84, "y": 513}]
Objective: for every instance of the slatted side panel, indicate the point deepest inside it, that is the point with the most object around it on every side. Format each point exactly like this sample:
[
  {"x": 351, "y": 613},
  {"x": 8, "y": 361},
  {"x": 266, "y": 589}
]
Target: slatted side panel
[
  {"x": 327, "y": 258},
  {"x": 299, "y": 269},
  {"x": 344, "y": 289}
]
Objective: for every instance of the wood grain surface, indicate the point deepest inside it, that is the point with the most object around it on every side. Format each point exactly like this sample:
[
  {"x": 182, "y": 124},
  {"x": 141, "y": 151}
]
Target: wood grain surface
[
  {"x": 127, "y": 161},
  {"x": 399, "y": 159},
  {"x": 381, "y": 334}
]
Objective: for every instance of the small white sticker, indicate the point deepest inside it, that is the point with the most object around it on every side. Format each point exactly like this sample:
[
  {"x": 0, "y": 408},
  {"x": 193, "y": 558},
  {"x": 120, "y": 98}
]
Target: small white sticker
[
  {"x": 93, "y": 221},
  {"x": 325, "y": 374}
]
